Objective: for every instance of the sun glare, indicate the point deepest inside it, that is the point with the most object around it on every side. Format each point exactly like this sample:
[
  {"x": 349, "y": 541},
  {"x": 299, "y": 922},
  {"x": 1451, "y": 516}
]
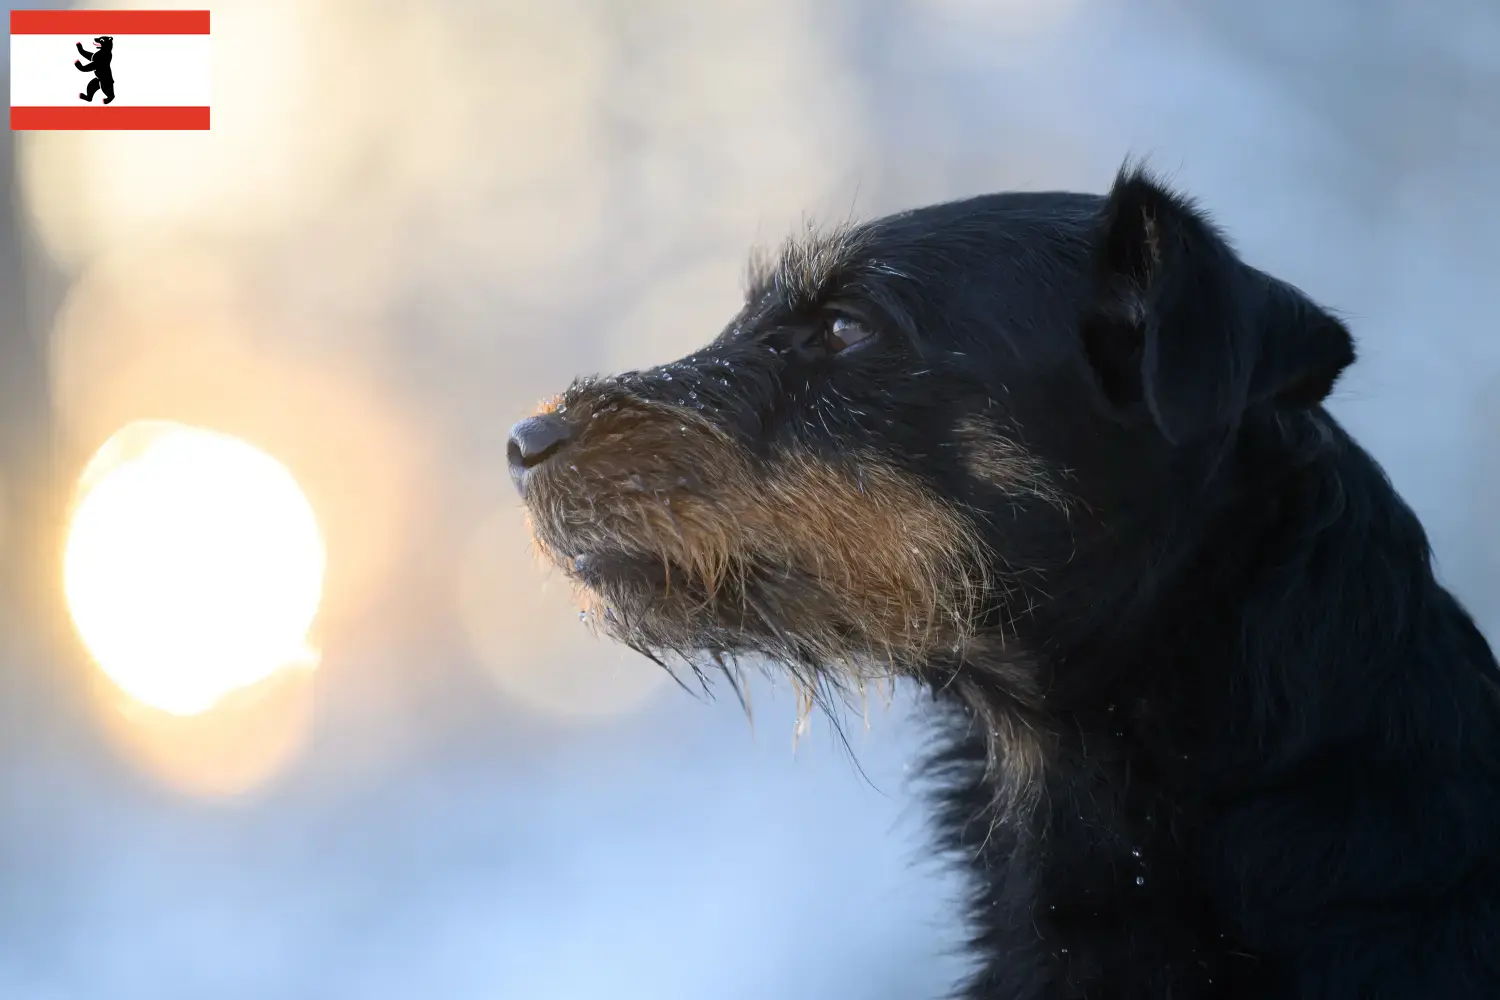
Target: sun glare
[{"x": 193, "y": 566}]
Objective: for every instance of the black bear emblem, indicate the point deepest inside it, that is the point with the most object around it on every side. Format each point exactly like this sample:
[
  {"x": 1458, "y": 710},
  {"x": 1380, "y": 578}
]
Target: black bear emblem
[{"x": 104, "y": 77}]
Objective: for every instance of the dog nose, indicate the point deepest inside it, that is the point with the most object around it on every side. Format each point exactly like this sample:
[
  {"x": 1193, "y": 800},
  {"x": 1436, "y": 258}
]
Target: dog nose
[{"x": 533, "y": 441}]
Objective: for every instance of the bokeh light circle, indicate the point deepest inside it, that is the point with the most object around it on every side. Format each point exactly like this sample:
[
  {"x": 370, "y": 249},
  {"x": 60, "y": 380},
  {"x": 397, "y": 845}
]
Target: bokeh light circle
[{"x": 193, "y": 565}]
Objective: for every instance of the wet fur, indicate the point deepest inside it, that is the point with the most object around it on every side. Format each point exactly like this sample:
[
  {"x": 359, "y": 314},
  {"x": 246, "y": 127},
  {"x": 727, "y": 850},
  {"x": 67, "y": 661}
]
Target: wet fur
[{"x": 1207, "y": 725}]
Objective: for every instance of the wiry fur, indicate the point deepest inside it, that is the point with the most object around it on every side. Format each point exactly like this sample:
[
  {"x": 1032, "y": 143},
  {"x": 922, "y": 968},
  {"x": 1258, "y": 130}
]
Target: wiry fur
[
  {"x": 743, "y": 538},
  {"x": 806, "y": 265},
  {"x": 1208, "y": 727}
]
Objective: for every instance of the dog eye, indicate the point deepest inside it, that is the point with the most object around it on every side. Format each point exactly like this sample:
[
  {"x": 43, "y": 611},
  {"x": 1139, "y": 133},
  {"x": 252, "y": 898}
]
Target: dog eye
[{"x": 844, "y": 333}]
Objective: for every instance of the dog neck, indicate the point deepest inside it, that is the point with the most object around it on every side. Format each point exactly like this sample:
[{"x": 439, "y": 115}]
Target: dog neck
[{"x": 1186, "y": 662}]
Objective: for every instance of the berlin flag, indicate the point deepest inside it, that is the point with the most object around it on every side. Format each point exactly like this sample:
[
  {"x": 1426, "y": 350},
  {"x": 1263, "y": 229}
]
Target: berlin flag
[{"x": 109, "y": 69}]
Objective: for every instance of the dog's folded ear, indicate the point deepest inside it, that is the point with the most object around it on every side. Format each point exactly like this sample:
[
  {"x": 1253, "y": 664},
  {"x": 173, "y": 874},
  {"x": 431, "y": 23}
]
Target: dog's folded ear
[{"x": 1180, "y": 326}]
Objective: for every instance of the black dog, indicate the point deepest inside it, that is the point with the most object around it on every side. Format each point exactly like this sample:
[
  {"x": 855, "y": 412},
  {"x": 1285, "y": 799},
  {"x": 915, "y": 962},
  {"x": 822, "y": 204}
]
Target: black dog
[
  {"x": 104, "y": 77},
  {"x": 1212, "y": 728}
]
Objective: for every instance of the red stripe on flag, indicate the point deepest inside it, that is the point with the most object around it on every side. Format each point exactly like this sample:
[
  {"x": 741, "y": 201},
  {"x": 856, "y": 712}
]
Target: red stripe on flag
[
  {"x": 76, "y": 119},
  {"x": 109, "y": 22}
]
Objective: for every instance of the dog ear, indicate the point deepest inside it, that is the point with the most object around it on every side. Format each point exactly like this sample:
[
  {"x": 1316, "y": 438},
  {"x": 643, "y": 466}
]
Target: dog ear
[{"x": 1180, "y": 325}]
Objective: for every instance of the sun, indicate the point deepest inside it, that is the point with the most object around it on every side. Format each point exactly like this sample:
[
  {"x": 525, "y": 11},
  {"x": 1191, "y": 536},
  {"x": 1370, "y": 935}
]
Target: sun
[{"x": 193, "y": 565}]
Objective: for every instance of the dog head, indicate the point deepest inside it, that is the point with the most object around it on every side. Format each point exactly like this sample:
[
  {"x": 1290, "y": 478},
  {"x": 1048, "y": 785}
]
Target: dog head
[{"x": 917, "y": 432}]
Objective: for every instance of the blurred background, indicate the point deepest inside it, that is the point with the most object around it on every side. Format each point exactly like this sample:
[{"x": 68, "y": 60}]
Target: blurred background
[{"x": 408, "y": 223}]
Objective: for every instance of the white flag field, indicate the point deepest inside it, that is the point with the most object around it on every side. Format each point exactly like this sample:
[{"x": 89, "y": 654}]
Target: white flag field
[{"x": 110, "y": 69}]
